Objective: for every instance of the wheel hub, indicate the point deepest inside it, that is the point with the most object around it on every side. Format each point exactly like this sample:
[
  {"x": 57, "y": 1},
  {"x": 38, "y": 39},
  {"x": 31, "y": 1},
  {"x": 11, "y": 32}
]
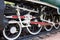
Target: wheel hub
[{"x": 13, "y": 30}]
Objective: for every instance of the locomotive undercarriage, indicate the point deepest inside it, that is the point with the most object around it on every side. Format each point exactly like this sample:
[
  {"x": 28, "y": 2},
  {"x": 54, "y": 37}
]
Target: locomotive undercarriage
[{"x": 32, "y": 16}]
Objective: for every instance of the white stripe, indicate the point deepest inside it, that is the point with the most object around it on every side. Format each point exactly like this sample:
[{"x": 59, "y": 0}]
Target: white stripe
[
  {"x": 8, "y": 16},
  {"x": 13, "y": 21}
]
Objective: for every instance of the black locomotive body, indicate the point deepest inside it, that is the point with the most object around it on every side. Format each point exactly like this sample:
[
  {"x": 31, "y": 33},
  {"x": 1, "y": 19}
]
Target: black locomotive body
[{"x": 33, "y": 15}]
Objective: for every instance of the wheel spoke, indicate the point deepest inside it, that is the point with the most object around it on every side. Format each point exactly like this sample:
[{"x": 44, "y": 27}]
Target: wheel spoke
[
  {"x": 34, "y": 29},
  {"x": 9, "y": 35}
]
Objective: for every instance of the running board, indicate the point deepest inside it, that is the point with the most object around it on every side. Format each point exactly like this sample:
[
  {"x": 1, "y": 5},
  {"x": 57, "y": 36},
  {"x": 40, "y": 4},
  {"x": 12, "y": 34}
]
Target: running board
[{"x": 44, "y": 3}]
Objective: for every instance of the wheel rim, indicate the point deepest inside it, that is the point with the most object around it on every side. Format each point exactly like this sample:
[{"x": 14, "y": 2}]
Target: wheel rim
[
  {"x": 8, "y": 35},
  {"x": 56, "y": 26},
  {"x": 34, "y": 29},
  {"x": 48, "y": 28}
]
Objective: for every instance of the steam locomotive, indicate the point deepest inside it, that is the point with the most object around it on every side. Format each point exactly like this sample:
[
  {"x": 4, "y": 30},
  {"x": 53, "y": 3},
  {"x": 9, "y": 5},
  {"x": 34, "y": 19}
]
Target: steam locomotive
[{"x": 31, "y": 14}]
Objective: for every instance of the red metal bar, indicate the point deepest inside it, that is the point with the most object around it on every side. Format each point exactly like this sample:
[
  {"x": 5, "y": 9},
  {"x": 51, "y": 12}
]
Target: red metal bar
[
  {"x": 22, "y": 17},
  {"x": 15, "y": 17},
  {"x": 41, "y": 23}
]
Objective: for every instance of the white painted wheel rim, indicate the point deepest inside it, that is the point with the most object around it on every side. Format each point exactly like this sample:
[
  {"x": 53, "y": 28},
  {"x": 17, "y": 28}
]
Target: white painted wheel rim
[
  {"x": 47, "y": 28},
  {"x": 14, "y": 37},
  {"x": 56, "y": 27},
  {"x": 34, "y": 33}
]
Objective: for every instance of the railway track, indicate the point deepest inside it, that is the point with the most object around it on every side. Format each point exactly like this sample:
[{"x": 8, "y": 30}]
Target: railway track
[{"x": 40, "y": 36}]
